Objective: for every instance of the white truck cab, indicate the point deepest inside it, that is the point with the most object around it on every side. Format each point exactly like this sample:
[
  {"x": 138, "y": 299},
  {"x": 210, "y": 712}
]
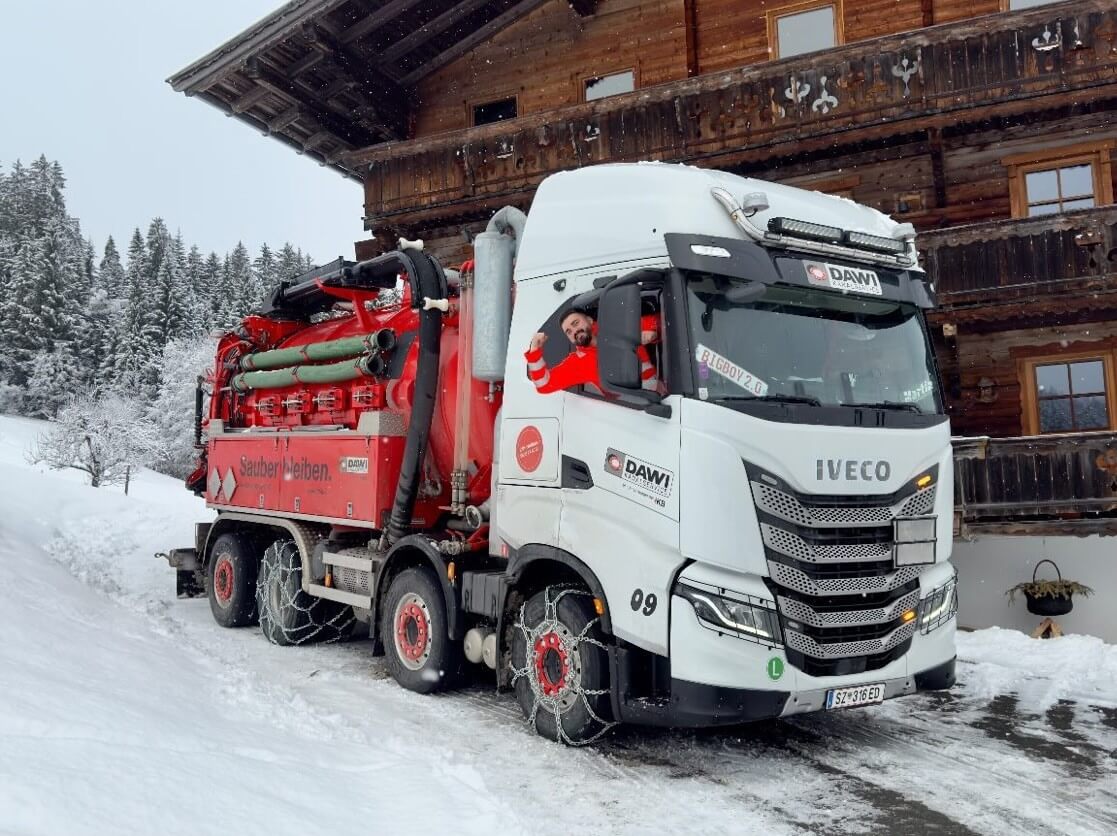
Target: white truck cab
[{"x": 766, "y": 530}]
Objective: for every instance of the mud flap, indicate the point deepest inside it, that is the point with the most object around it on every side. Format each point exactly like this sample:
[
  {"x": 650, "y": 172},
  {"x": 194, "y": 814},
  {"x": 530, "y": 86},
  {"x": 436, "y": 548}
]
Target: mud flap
[{"x": 190, "y": 583}]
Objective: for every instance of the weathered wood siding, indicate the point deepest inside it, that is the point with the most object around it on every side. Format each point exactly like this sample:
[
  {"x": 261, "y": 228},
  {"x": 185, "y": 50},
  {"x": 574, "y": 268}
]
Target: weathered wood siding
[
  {"x": 734, "y": 33},
  {"x": 544, "y": 59},
  {"x": 964, "y": 85}
]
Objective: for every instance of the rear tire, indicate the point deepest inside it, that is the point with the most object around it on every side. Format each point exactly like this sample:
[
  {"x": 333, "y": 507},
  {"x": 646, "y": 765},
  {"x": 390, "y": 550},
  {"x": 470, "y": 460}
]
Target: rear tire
[
  {"x": 231, "y": 580},
  {"x": 560, "y": 666},
  {"x": 415, "y": 632},
  {"x": 288, "y": 615}
]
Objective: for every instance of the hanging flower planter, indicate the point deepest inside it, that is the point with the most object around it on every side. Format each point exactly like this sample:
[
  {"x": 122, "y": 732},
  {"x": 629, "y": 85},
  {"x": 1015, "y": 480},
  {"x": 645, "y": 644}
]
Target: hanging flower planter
[{"x": 1049, "y": 597}]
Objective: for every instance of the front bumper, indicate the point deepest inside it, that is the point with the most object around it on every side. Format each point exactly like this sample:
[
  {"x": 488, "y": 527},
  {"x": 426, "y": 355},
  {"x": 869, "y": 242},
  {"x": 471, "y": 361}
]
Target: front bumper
[{"x": 693, "y": 705}]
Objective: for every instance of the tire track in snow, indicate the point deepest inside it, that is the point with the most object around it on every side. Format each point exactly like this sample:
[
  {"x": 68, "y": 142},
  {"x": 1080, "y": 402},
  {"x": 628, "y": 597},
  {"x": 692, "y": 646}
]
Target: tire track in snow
[{"x": 832, "y": 774}]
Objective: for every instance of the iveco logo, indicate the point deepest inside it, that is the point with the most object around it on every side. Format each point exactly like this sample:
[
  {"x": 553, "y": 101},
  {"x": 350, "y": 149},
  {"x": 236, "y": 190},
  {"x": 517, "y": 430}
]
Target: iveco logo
[{"x": 853, "y": 470}]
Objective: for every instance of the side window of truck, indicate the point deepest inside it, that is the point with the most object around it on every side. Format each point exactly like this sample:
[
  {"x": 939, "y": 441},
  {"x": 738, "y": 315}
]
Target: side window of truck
[{"x": 562, "y": 355}]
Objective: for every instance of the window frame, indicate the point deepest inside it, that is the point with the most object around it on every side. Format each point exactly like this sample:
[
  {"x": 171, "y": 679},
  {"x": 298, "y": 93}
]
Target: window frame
[
  {"x": 1029, "y": 401},
  {"x": 772, "y": 17},
  {"x": 471, "y": 109},
  {"x": 1096, "y": 154},
  {"x": 585, "y": 80},
  {"x": 1006, "y": 6}
]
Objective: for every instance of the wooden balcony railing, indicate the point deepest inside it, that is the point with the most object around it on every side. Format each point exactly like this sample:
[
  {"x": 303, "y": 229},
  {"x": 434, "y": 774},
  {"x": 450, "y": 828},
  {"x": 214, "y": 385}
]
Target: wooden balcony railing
[
  {"x": 1018, "y": 259},
  {"x": 994, "y": 66},
  {"x": 1065, "y": 484}
]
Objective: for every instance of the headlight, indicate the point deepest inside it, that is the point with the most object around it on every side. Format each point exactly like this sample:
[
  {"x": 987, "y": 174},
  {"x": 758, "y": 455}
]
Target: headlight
[
  {"x": 749, "y": 620},
  {"x": 940, "y": 606}
]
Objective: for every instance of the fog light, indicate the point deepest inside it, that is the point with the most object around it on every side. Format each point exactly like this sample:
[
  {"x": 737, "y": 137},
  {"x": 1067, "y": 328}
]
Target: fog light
[
  {"x": 914, "y": 529},
  {"x": 913, "y": 554}
]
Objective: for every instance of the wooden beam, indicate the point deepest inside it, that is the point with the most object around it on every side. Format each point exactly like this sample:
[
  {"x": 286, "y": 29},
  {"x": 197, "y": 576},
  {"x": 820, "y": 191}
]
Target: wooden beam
[
  {"x": 282, "y": 120},
  {"x": 377, "y": 90},
  {"x": 524, "y": 7},
  {"x": 938, "y": 174},
  {"x": 584, "y": 8},
  {"x": 308, "y": 62},
  {"x": 292, "y": 92},
  {"x": 927, "y": 7},
  {"x": 430, "y": 29},
  {"x": 250, "y": 99},
  {"x": 690, "y": 33},
  {"x": 376, "y": 20}
]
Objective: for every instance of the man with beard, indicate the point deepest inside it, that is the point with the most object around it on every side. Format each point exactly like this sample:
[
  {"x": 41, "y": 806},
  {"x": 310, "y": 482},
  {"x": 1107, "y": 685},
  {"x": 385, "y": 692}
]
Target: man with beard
[{"x": 579, "y": 368}]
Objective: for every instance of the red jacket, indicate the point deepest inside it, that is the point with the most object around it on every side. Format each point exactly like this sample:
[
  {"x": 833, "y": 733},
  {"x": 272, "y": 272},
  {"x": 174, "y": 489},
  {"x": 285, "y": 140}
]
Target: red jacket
[{"x": 579, "y": 368}]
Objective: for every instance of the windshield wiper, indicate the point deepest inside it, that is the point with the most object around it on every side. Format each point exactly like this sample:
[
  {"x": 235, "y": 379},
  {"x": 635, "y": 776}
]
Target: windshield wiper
[
  {"x": 807, "y": 399},
  {"x": 896, "y": 405}
]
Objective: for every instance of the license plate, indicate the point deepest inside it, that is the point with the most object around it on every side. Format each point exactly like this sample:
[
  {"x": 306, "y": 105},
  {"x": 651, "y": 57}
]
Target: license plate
[{"x": 857, "y": 695}]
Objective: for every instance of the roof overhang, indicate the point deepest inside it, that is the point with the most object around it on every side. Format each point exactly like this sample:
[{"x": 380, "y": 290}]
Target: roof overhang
[{"x": 328, "y": 77}]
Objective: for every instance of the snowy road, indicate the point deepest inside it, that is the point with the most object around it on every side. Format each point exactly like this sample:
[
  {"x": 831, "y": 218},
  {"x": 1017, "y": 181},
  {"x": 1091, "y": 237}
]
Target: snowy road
[{"x": 123, "y": 709}]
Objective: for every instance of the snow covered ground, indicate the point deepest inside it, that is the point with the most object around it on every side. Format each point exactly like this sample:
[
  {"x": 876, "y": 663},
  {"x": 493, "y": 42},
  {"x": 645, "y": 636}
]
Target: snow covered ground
[{"x": 123, "y": 709}]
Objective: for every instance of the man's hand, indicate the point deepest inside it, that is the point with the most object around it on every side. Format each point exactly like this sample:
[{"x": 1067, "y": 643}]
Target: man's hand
[{"x": 537, "y": 341}]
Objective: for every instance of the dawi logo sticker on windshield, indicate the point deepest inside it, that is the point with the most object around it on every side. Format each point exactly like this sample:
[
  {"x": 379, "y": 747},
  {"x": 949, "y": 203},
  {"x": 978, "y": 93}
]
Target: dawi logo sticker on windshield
[
  {"x": 723, "y": 366},
  {"x": 836, "y": 277}
]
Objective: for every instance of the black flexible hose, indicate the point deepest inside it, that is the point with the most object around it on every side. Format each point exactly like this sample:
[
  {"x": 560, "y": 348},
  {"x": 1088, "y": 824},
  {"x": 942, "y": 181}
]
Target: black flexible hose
[{"x": 427, "y": 277}]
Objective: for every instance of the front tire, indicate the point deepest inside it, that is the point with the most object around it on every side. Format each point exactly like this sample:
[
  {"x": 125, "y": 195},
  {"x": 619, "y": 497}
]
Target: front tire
[
  {"x": 288, "y": 615},
  {"x": 560, "y": 666},
  {"x": 415, "y": 631},
  {"x": 231, "y": 580}
]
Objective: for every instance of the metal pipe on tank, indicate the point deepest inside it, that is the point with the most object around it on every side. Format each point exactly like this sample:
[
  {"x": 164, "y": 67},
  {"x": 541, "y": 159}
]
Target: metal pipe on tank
[
  {"x": 460, "y": 495},
  {"x": 493, "y": 253},
  {"x": 492, "y": 304}
]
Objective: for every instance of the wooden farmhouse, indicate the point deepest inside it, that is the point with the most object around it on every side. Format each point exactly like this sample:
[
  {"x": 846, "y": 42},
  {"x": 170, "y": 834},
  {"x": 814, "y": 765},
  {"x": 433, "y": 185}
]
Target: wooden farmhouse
[{"x": 988, "y": 124}]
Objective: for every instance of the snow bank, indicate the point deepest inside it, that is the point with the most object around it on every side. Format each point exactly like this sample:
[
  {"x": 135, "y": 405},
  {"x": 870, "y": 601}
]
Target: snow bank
[
  {"x": 113, "y": 718},
  {"x": 123, "y": 709},
  {"x": 1041, "y": 671}
]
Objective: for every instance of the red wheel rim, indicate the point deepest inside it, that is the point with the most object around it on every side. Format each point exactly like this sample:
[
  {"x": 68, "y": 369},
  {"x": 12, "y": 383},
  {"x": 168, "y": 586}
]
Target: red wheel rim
[
  {"x": 223, "y": 580},
  {"x": 552, "y": 665},
  {"x": 412, "y": 632}
]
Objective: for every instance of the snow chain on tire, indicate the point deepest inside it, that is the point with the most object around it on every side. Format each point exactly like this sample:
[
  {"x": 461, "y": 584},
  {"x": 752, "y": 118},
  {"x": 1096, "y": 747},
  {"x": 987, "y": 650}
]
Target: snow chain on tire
[
  {"x": 550, "y": 624},
  {"x": 288, "y": 615}
]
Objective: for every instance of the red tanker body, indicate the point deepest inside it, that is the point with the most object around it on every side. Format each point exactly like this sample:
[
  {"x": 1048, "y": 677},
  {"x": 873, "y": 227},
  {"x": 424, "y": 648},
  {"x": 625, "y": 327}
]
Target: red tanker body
[{"x": 331, "y": 451}]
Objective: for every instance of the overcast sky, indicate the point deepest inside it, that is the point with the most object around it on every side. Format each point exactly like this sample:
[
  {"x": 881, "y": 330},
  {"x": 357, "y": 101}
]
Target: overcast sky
[{"x": 84, "y": 83}]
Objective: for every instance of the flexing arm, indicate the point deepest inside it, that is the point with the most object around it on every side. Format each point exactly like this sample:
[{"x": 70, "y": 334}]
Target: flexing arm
[{"x": 574, "y": 370}]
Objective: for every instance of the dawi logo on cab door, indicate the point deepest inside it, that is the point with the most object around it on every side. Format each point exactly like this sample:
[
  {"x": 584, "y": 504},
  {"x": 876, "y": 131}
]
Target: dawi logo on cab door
[
  {"x": 646, "y": 480},
  {"x": 529, "y": 449}
]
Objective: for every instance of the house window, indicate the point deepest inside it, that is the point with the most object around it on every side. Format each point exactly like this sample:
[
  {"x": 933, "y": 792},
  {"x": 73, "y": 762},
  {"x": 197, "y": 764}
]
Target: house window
[
  {"x": 1069, "y": 394},
  {"x": 1054, "y": 190},
  {"x": 804, "y": 27},
  {"x": 1062, "y": 180},
  {"x": 498, "y": 111},
  {"x": 1017, "y": 5},
  {"x": 601, "y": 86}
]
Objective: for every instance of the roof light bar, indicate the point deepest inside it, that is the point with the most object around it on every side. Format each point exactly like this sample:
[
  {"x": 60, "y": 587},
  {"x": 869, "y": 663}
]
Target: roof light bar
[
  {"x": 879, "y": 244},
  {"x": 805, "y": 229}
]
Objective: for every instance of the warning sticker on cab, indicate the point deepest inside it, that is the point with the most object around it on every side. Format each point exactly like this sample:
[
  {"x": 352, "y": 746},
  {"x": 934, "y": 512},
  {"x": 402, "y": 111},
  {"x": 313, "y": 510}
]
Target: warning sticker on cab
[
  {"x": 852, "y": 279},
  {"x": 724, "y": 367}
]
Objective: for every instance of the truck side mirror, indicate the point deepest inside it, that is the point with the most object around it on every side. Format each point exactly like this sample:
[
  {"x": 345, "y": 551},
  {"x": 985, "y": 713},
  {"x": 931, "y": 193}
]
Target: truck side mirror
[{"x": 618, "y": 335}]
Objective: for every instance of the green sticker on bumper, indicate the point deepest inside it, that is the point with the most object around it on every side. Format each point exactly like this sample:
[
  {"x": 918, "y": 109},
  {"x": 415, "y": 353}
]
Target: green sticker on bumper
[{"x": 775, "y": 668}]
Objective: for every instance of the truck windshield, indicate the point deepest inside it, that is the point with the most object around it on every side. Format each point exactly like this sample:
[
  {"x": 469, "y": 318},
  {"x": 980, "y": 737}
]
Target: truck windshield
[{"x": 802, "y": 345}]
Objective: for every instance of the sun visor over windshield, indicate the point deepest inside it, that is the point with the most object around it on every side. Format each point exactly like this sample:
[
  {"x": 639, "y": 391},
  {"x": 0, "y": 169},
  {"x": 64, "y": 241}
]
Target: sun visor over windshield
[{"x": 746, "y": 260}]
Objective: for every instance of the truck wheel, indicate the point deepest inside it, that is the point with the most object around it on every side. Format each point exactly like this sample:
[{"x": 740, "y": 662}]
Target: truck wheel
[
  {"x": 231, "y": 580},
  {"x": 414, "y": 630},
  {"x": 560, "y": 666},
  {"x": 288, "y": 615}
]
